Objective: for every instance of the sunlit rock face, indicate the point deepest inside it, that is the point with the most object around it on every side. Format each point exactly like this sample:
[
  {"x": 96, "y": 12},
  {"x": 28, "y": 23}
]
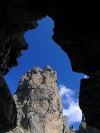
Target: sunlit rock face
[
  {"x": 39, "y": 107},
  {"x": 76, "y": 30},
  {"x": 38, "y": 102}
]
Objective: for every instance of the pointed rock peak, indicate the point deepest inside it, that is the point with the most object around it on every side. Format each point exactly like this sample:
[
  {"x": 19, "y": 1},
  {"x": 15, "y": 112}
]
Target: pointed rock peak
[
  {"x": 48, "y": 68},
  {"x": 38, "y": 102},
  {"x": 36, "y": 70},
  {"x": 72, "y": 128},
  {"x": 37, "y": 76},
  {"x": 65, "y": 121}
]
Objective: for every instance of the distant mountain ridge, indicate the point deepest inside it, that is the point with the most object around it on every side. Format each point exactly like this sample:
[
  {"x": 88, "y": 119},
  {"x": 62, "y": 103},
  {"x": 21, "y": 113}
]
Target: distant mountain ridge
[{"x": 39, "y": 107}]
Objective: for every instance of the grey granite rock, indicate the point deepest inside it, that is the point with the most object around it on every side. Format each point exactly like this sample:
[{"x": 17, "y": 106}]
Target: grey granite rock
[
  {"x": 38, "y": 103},
  {"x": 39, "y": 107}
]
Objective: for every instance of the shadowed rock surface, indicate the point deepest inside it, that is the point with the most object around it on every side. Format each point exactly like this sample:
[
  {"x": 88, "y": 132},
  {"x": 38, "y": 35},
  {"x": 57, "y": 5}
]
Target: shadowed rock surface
[
  {"x": 76, "y": 30},
  {"x": 84, "y": 128},
  {"x": 7, "y": 104}
]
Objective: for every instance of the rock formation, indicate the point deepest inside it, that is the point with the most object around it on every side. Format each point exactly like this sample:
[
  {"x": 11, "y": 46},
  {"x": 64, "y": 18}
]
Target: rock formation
[
  {"x": 84, "y": 128},
  {"x": 39, "y": 107},
  {"x": 77, "y": 31},
  {"x": 38, "y": 102},
  {"x": 7, "y": 104}
]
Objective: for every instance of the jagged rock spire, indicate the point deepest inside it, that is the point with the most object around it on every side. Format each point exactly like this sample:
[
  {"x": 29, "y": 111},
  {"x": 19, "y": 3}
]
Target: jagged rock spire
[
  {"x": 72, "y": 128},
  {"x": 39, "y": 107},
  {"x": 38, "y": 102}
]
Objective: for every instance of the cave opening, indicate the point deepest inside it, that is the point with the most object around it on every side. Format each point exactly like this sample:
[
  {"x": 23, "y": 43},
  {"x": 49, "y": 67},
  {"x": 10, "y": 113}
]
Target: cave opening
[{"x": 43, "y": 51}]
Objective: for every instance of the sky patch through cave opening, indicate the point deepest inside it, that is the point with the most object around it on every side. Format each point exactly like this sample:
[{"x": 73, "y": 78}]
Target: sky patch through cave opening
[{"x": 44, "y": 51}]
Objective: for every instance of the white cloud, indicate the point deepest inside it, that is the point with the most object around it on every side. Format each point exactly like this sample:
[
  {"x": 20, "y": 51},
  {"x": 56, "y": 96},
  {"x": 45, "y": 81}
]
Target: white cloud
[
  {"x": 73, "y": 112},
  {"x": 86, "y": 77}
]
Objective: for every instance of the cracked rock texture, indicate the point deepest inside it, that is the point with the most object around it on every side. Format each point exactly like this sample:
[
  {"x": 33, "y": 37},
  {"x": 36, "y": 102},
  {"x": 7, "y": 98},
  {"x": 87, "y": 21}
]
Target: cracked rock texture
[
  {"x": 39, "y": 107},
  {"x": 76, "y": 30},
  {"x": 38, "y": 102}
]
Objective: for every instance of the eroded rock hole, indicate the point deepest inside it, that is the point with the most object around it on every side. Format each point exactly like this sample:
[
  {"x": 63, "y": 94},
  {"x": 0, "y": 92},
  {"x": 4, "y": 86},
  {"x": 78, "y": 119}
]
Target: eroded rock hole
[{"x": 43, "y": 51}]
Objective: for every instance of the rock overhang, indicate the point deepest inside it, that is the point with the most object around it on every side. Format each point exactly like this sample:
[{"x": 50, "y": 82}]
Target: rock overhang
[{"x": 76, "y": 30}]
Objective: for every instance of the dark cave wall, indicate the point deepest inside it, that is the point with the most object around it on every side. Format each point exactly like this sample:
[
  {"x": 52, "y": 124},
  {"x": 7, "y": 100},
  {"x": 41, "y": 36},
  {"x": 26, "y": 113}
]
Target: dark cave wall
[
  {"x": 76, "y": 30},
  {"x": 15, "y": 19}
]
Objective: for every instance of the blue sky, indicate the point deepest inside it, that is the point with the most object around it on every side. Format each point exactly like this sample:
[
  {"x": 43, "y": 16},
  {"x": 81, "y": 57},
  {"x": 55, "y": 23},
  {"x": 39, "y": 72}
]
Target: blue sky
[{"x": 44, "y": 51}]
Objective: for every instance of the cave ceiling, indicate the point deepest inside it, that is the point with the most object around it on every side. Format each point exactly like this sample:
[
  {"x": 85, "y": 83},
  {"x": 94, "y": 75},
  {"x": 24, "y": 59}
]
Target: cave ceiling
[{"x": 76, "y": 31}]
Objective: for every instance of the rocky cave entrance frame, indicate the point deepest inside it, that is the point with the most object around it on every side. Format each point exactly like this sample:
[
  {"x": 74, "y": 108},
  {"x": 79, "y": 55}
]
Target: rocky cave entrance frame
[
  {"x": 76, "y": 30},
  {"x": 48, "y": 53}
]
